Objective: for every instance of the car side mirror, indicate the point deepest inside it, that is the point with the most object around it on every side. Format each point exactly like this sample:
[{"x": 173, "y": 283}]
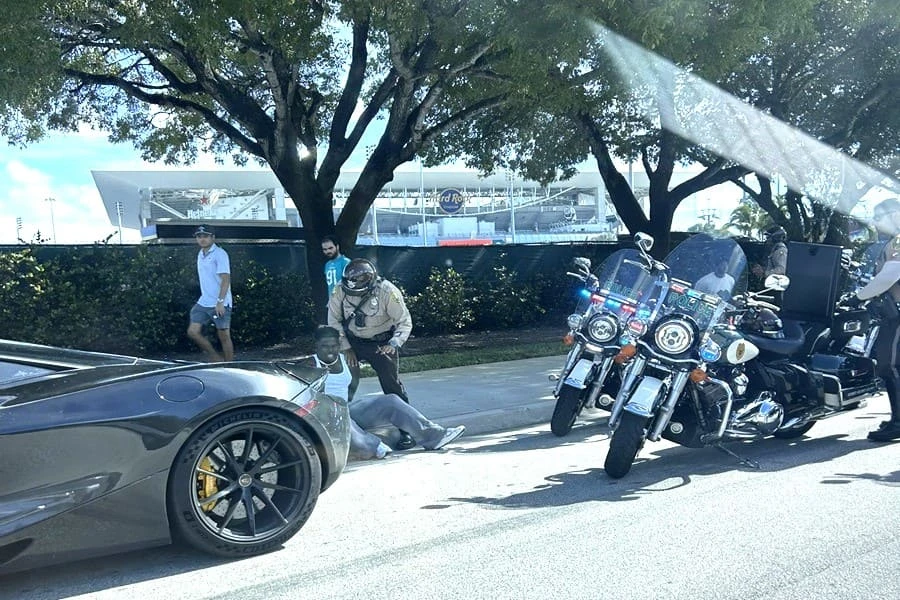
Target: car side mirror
[
  {"x": 776, "y": 282},
  {"x": 644, "y": 241}
]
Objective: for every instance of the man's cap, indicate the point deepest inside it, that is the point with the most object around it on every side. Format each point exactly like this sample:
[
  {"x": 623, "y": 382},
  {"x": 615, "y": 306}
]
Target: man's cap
[{"x": 204, "y": 230}]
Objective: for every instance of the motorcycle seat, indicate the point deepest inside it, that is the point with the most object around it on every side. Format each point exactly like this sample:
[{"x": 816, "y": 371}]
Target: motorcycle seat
[{"x": 791, "y": 343}]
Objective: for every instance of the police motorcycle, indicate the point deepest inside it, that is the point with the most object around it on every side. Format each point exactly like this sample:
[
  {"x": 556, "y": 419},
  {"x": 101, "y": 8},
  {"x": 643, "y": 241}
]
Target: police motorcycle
[
  {"x": 668, "y": 389},
  {"x": 803, "y": 372},
  {"x": 752, "y": 377},
  {"x": 609, "y": 299}
]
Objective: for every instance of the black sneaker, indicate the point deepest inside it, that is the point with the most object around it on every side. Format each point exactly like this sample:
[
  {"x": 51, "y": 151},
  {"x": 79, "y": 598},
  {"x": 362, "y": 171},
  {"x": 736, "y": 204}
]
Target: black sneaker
[
  {"x": 888, "y": 432},
  {"x": 405, "y": 442}
]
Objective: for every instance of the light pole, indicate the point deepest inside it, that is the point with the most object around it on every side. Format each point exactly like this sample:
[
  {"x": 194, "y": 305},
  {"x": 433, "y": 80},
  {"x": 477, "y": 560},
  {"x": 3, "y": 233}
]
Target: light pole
[
  {"x": 422, "y": 200},
  {"x": 52, "y": 220},
  {"x": 18, "y": 229},
  {"x": 119, "y": 210},
  {"x": 512, "y": 204}
]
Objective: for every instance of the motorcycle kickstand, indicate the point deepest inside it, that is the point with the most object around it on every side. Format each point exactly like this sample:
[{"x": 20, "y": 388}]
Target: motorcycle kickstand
[{"x": 747, "y": 462}]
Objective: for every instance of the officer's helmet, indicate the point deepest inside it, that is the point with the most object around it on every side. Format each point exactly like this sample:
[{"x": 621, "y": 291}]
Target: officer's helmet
[
  {"x": 765, "y": 323},
  {"x": 776, "y": 233},
  {"x": 359, "y": 277}
]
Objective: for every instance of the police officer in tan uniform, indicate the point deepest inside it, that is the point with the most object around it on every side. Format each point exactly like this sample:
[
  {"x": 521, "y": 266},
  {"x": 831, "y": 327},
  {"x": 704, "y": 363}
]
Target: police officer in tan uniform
[
  {"x": 886, "y": 283},
  {"x": 372, "y": 318}
]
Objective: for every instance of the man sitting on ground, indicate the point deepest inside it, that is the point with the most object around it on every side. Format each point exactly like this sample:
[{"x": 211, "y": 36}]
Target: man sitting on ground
[{"x": 374, "y": 411}]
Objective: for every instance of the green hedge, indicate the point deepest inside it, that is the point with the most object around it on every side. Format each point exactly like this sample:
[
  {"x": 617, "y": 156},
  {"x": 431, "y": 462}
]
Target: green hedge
[
  {"x": 137, "y": 301},
  {"x": 107, "y": 300}
]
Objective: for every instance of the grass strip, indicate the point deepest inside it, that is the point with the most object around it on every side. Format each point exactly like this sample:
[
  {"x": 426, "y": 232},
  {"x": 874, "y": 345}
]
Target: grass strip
[{"x": 474, "y": 356}]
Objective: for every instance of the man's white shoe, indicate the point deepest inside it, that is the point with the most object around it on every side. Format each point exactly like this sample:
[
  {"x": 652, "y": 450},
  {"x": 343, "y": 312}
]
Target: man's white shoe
[
  {"x": 382, "y": 450},
  {"x": 449, "y": 435}
]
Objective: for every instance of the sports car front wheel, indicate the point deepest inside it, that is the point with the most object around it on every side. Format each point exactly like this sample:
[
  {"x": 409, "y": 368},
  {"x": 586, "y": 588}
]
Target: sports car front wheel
[{"x": 244, "y": 484}]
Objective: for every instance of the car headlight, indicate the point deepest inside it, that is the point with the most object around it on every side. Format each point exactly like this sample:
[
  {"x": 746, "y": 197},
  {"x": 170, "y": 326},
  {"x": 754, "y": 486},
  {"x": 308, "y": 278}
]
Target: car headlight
[
  {"x": 674, "y": 337},
  {"x": 574, "y": 321},
  {"x": 603, "y": 328}
]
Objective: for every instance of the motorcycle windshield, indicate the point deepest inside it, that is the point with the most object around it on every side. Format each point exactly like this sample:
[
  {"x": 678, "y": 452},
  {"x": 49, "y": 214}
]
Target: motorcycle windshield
[
  {"x": 705, "y": 273},
  {"x": 625, "y": 285}
]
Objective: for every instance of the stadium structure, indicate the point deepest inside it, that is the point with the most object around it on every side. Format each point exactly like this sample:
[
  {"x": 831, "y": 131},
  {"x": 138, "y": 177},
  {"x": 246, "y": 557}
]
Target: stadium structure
[{"x": 418, "y": 208}]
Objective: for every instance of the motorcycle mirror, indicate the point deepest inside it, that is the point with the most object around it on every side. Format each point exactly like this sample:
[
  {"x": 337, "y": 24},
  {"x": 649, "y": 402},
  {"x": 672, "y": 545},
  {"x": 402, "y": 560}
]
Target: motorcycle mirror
[
  {"x": 776, "y": 282},
  {"x": 644, "y": 241}
]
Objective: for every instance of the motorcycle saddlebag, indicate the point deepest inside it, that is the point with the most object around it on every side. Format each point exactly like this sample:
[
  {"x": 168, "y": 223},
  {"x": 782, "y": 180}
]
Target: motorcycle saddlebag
[{"x": 847, "y": 378}]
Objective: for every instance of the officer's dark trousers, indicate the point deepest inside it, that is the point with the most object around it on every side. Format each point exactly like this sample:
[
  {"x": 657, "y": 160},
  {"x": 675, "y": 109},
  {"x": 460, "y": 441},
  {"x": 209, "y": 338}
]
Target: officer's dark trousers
[
  {"x": 386, "y": 366},
  {"x": 887, "y": 353}
]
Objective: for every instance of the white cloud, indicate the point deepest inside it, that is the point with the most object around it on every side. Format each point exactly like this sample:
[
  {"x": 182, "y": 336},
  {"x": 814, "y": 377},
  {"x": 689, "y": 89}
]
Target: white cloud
[{"x": 76, "y": 214}]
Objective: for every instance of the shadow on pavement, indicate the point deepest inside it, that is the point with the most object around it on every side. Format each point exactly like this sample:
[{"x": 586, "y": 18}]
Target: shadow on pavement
[
  {"x": 98, "y": 574},
  {"x": 892, "y": 479},
  {"x": 673, "y": 468},
  {"x": 540, "y": 438}
]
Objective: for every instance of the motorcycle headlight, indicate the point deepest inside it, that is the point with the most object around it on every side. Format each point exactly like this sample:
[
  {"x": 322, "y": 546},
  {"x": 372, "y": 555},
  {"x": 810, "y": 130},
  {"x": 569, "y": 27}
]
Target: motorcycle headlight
[
  {"x": 574, "y": 321},
  {"x": 603, "y": 328},
  {"x": 674, "y": 337}
]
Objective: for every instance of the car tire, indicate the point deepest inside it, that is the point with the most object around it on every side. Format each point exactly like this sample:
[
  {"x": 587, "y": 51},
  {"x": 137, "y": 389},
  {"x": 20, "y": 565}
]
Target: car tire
[{"x": 260, "y": 476}]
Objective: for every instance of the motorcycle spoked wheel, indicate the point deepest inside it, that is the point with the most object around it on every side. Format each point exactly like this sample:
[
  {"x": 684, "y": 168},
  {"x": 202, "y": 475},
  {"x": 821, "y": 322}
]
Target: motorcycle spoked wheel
[
  {"x": 793, "y": 432},
  {"x": 627, "y": 440},
  {"x": 567, "y": 409}
]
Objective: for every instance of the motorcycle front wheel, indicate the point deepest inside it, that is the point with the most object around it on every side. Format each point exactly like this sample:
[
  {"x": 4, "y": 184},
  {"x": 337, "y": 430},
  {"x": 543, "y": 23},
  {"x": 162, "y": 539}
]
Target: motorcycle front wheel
[
  {"x": 626, "y": 440},
  {"x": 568, "y": 405}
]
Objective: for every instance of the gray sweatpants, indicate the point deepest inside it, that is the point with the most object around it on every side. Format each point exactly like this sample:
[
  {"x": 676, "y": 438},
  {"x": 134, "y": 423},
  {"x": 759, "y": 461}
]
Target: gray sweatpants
[{"x": 388, "y": 409}]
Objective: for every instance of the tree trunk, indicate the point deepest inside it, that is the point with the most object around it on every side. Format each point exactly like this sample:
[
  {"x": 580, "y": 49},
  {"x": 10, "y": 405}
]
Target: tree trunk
[{"x": 317, "y": 217}]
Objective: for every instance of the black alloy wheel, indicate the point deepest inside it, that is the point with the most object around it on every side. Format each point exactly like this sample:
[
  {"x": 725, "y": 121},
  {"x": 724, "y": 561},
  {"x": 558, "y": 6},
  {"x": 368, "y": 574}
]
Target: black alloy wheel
[{"x": 244, "y": 484}]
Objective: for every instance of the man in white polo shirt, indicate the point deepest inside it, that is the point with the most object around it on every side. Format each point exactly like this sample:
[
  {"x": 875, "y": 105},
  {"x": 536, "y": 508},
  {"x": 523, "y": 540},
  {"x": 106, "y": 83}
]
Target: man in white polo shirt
[{"x": 214, "y": 305}]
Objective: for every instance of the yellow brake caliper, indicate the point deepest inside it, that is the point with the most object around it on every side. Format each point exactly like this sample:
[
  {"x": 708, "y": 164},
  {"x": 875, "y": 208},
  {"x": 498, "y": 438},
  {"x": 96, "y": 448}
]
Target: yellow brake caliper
[{"x": 206, "y": 484}]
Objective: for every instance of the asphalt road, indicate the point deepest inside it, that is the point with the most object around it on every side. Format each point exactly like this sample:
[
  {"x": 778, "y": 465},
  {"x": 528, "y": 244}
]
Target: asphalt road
[{"x": 524, "y": 514}]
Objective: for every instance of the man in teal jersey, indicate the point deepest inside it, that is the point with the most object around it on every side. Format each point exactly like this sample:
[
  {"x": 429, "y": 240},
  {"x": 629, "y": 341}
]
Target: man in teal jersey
[{"x": 337, "y": 262}]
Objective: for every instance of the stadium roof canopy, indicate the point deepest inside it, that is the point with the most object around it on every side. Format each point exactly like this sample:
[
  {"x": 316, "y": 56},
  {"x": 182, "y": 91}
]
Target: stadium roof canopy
[{"x": 129, "y": 191}]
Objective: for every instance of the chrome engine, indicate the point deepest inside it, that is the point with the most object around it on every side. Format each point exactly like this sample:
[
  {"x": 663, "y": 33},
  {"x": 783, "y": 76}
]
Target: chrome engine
[{"x": 757, "y": 418}]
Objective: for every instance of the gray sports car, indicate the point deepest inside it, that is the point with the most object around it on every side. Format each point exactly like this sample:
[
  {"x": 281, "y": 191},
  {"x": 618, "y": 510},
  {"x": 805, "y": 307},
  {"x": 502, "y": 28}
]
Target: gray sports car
[{"x": 104, "y": 453}]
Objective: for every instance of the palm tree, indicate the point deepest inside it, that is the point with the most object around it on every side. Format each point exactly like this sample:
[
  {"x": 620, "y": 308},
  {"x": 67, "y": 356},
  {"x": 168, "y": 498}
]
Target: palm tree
[{"x": 748, "y": 219}]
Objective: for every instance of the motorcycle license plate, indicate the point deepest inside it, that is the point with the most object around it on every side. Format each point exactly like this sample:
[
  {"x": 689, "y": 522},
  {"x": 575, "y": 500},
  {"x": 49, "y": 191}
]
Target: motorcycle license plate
[{"x": 579, "y": 373}]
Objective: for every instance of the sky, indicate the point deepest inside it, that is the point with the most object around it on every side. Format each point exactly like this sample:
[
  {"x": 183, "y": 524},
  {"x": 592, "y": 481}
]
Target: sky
[{"x": 60, "y": 167}]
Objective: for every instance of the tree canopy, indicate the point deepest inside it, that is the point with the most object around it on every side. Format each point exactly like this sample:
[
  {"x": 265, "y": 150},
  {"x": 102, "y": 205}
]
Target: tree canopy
[
  {"x": 298, "y": 85},
  {"x": 589, "y": 108},
  {"x": 292, "y": 84}
]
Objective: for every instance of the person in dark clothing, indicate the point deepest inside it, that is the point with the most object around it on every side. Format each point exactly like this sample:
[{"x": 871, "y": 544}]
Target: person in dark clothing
[{"x": 886, "y": 283}]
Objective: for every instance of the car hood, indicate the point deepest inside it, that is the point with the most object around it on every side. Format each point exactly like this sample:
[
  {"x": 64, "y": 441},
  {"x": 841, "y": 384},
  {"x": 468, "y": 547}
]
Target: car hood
[{"x": 67, "y": 357}]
